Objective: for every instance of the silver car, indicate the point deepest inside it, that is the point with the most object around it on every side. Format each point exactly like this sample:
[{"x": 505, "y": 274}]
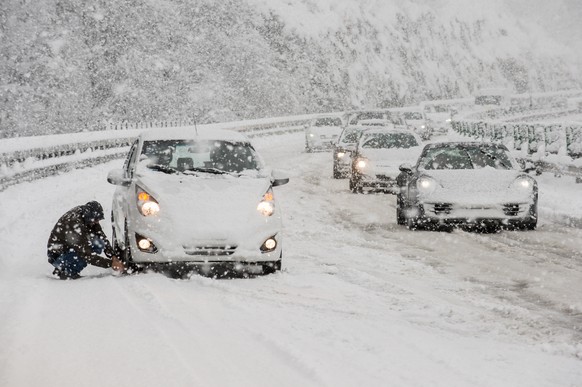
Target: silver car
[
  {"x": 196, "y": 199},
  {"x": 472, "y": 184},
  {"x": 322, "y": 133}
]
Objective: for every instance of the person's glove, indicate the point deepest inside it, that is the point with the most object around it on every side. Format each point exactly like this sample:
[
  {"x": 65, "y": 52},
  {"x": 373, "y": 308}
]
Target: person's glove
[{"x": 117, "y": 265}]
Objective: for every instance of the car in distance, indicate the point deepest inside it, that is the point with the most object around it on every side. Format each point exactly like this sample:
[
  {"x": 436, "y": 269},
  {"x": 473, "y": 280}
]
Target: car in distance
[
  {"x": 343, "y": 149},
  {"x": 473, "y": 184},
  {"x": 196, "y": 198},
  {"x": 322, "y": 132},
  {"x": 377, "y": 157},
  {"x": 416, "y": 120}
]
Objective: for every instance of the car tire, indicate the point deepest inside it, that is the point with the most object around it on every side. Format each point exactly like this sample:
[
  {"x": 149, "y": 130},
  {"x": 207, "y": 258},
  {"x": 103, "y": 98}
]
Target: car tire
[
  {"x": 354, "y": 186},
  {"x": 114, "y": 242},
  {"x": 531, "y": 222},
  {"x": 336, "y": 173},
  {"x": 413, "y": 222},
  {"x": 400, "y": 216}
]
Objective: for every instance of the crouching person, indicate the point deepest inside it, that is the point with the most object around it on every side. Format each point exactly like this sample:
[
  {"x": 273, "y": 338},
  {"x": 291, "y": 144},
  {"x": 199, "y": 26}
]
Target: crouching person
[{"x": 77, "y": 240}]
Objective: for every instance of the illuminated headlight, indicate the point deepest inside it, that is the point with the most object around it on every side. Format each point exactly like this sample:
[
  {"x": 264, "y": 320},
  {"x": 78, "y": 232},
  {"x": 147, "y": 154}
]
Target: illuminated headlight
[
  {"x": 340, "y": 154},
  {"x": 145, "y": 244},
  {"x": 147, "y": 205},
  {"x": 267, "y": 205},
  {"x": 426, "y": 185},
  {"x": 269, "y": 245},
  {"x": 422, "y": 126},
  {"x": 523, "y": 183},
  {"x": 448, "y": 120},
  {"x": 361, "y": 164},
  {"x": 311, "y": 135}
]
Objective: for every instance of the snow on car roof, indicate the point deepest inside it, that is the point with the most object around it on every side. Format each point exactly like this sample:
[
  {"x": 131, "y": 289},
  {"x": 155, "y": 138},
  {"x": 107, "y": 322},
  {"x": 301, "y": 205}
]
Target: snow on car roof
[
  {"x": 190, "y": 132},
  {"x": 443, "y": 144},
  {"x": 388, "y": 129}
]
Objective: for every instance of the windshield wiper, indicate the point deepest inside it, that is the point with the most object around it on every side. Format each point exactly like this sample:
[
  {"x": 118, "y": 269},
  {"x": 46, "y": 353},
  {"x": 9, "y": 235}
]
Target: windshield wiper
[
  {"x": 214, "y": 171},
  {"x": 162, "y": 168},
  {"x": 494, "y": 158}
]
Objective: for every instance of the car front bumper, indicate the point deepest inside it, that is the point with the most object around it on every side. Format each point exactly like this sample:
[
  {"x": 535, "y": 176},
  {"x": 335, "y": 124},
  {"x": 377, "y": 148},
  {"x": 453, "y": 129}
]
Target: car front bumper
[
  {"x": 463, "y": 214},
  {"x": 234, "y": 241}
]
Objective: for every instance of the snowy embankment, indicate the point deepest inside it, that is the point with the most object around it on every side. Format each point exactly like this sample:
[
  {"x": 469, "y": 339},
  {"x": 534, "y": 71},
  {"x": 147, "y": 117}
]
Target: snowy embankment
[{"x": 360, "y": 300}]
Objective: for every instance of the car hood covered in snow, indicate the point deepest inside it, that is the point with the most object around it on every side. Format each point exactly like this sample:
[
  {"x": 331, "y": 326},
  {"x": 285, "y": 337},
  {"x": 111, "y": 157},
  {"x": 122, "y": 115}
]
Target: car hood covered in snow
[
  {"x": 205, "y": 206},
  {"x": 477, "y": 185}
]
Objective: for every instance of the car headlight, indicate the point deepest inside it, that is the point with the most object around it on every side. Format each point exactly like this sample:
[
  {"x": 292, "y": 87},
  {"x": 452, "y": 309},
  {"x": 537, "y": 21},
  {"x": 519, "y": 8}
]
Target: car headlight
[
  {"x": 146, "y": 204},
  {"x": 448, "y": 120},
  {"x": 145, "y": 244},
  {"x": 524, "y": 183},
  {"x": 340, "y": 154},
  {"x": 361, "y": 164},
  {"x": 426, "y": 185},
  {"x": 311, "y": 135},
  {"x": 422, "y": 126},
  {"x": 267, "y": 205}
]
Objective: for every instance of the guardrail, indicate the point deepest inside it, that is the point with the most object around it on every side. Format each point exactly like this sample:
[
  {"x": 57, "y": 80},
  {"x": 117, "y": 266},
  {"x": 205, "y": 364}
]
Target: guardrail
[
  {"x": 551, "y": 146},
  {"x": 31, "y": 158},
  {"x": 552, "y": 138}
]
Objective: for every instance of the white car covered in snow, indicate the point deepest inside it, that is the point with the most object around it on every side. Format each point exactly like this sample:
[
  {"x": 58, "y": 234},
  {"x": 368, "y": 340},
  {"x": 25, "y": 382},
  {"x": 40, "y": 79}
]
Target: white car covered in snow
[
  {"x": 192, "y": 198},
  {"x": 322, "y": 132},
  {"x": 377, "y": 158},
  {"x": 474, "y": 184}
]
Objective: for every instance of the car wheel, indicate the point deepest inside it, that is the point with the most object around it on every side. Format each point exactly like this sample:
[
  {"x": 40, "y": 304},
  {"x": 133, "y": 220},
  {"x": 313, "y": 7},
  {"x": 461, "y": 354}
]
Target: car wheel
[
  {"x": 114, "y": 242},
  {"x": 413, "y": 222},
  {"x": 400, "y": 218},
  {"x": 308, "y": 149},
  {"x": 336, "y": 173},
  {"x": 354, "y": 186},
  {"x": 126, "y": 252}
]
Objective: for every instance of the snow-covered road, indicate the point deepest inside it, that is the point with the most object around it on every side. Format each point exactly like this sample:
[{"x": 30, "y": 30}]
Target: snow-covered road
[{"x": 360, "y": 300}]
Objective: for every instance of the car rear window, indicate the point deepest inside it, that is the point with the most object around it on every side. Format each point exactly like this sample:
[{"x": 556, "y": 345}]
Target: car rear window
[
  {"x": 389, "y": 140},
  {"x": 329, "y": 121}
]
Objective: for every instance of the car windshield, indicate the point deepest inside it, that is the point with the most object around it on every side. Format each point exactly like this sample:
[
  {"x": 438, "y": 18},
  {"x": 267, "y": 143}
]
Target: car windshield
[
  {"x": 466, "y": 157},
  {"x": 350, "y": 135},
  {"x": 328, "y": 121},
  {"x": 367, "y": 116},
  {"x": 413, "y": 115},
  {"x": 209, "y": 156},
  {"x": 389, "y": 140}
]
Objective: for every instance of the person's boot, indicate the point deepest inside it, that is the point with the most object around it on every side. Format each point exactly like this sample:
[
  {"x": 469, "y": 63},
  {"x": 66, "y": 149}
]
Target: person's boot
[{"x": 65, "y": 275}]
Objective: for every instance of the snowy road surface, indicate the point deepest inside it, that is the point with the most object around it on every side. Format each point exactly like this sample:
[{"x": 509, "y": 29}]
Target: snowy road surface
[{"x": 360, "y": 301}]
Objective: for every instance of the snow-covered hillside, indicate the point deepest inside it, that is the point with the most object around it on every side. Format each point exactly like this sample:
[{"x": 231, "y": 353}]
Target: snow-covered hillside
[{"x": 68, "y": 65}]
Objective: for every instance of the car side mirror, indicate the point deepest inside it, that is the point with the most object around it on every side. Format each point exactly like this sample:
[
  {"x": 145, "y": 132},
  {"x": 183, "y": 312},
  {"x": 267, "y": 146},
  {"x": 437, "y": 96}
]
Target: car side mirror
[
  {"x": 279, "y": 178},
  {"x": 406, "y": 168},
  {"x": 528, "y": 166},
  {"x": 350, "y": 147},
  {"x": 117, "y": 177}
]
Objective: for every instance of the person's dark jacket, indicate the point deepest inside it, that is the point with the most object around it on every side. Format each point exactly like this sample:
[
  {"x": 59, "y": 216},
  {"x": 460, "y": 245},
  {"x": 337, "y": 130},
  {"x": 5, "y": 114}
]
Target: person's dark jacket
[{"x": 76, "y": 231}]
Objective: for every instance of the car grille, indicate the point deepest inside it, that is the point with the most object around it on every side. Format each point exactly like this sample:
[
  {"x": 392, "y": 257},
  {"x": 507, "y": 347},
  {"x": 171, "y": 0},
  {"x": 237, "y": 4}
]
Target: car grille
[
  {"x": 221, "y": 250},
  {"x": 440, "y": 208},
  {"x": 511, "y": 209}
]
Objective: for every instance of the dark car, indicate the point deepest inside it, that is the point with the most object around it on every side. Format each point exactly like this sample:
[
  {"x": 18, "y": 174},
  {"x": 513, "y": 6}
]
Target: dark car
[{"x": 343, "y": 149}]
